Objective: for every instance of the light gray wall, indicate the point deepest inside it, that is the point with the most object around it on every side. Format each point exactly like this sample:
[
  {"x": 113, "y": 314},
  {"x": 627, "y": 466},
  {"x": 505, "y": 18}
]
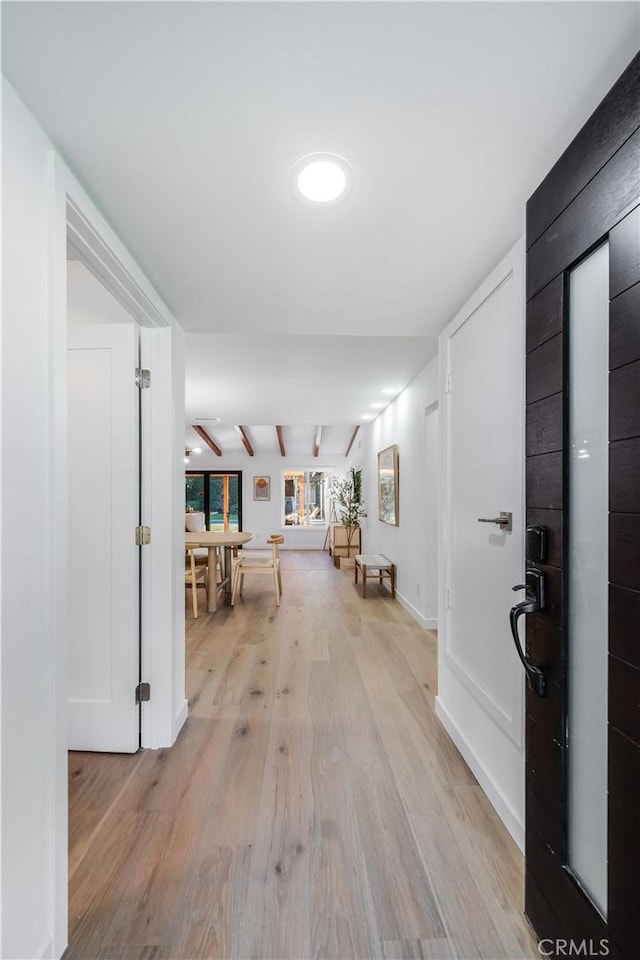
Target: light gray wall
[{"x": 411, "y": 422}]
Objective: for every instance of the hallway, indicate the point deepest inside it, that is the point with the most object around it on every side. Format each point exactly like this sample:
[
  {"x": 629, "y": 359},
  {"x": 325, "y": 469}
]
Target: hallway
[{"x": 312, "y": 806}]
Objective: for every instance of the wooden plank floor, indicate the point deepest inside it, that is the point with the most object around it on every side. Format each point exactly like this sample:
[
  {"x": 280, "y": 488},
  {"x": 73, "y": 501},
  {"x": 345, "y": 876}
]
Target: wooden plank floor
[{"x": 312, "y": 806}]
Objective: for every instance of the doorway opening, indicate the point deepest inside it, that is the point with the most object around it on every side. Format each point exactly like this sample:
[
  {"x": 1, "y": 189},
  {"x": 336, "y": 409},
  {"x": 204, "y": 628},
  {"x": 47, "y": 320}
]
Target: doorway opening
[
  {"x": 104, "y": 606},
  {"x": 104, "y": 563},
  {"x": 82, "y": 237}
]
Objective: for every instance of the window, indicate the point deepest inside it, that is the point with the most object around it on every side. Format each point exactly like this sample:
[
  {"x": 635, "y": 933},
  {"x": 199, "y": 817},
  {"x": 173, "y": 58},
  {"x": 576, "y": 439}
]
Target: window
[
  {"x": 194, "y": 492},
  {"x": 304, "y": 498}
]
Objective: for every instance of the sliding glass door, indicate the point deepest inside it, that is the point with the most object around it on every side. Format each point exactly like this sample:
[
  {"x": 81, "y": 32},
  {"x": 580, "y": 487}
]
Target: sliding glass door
[
  {"x": 217, "y": 494},
  {"x": 224, "y": 502}
]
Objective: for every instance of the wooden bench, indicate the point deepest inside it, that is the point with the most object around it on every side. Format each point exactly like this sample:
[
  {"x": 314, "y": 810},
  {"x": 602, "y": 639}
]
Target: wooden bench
[{"x": 375, "y": 565}]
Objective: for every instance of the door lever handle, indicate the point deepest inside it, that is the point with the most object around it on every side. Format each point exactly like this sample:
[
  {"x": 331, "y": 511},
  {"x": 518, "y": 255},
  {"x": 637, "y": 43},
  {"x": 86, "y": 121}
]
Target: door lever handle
[{"x": 505, "y": 520}]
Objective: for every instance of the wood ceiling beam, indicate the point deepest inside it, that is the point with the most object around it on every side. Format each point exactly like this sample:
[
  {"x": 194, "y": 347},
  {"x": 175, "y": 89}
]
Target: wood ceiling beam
[
  {"x": 245, "y": 439},
  {"x": 317, "y": 441},
  {"x": 210, "y": 442},
  {"x": 352, "y": 441},
  {"x": 280, "y": 433}
]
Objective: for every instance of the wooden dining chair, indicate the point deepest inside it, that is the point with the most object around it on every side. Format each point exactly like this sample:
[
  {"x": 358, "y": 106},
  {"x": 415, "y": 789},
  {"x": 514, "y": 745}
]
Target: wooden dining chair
[
  {"x": 256, "y": 564},
  {"x": 195, "y": 574}
]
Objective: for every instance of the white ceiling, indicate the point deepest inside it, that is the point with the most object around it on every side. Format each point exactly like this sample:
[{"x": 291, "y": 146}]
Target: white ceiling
[
  {"x": 303, "y": 379},
  {"x": 184, "y": 121}
]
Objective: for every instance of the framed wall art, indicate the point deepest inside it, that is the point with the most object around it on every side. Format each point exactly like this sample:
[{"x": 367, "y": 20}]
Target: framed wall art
[
  {"x": 388, "y": 485},
  {"x": 262, "y": 488}
]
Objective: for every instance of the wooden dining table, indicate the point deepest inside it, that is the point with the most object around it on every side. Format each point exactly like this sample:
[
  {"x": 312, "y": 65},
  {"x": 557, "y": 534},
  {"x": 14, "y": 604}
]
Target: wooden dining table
[{"x": 212, "y": 539}]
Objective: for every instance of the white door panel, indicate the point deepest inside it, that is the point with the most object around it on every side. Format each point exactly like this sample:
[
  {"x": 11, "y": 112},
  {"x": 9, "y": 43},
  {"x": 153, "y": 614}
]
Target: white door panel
[
  {"x": 103, "y": 561},
  {"x": 485, "y": 422}
]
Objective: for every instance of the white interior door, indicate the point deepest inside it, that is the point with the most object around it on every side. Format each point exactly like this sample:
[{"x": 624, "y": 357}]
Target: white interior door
[
  {"x": 103, "y": 557},
  {"x": 480, "y": 696}
]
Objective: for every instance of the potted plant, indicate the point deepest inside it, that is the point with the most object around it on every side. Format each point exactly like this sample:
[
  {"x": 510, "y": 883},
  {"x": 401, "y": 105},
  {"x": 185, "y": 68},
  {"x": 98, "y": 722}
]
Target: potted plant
[{"x": 347, "y": 496}]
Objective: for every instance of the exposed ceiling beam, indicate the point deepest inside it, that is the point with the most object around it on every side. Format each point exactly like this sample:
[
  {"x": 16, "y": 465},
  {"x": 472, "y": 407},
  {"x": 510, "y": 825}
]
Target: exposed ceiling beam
[
  {"x": 245, "y": 439},
  {"x": 210, "y": 442},
  {"x": 351, "y": 442},
  {"x": 316, "y": 441},
  {"x": 281, "y": 441}
]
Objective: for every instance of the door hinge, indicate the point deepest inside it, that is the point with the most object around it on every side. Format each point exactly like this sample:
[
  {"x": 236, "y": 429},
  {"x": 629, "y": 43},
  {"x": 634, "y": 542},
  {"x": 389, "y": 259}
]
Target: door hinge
[
  {"x": 448, "y": 384},
  {"x": 448, "y": 598},
  {"x": 143, "y": 536},
  {"x": 143, "y": 378},
  {"x": 143, "y": 693}
]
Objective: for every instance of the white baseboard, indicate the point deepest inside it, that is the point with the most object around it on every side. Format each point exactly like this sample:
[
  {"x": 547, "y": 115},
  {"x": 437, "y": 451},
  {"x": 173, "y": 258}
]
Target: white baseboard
[
  {"x": 45, "y": 952},
  {"x": 181, "y": 719},
  {"x": 503, "y": 808},
  {"x": 428, "y": 623}
]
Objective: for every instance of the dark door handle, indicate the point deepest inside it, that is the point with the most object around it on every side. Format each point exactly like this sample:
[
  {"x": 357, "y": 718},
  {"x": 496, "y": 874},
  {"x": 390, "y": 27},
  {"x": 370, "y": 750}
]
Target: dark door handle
[{"x": 534, "y": 601}]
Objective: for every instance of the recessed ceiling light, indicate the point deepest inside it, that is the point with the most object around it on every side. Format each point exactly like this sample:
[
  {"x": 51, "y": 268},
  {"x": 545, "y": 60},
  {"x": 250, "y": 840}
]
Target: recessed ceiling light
[
  {"x": 389, "y": 391},
  {"x": 196, "y": 449},
  {"x": 368, "y": 416},
  {"x": 377, "y": 406},
  {"x": 323, "y": 178}
]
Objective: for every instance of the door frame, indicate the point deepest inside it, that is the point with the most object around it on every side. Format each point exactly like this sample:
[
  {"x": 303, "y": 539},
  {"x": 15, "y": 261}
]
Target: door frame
[
  {"x": 75, "y": 220},
  {"x": 591, "y": 194}
]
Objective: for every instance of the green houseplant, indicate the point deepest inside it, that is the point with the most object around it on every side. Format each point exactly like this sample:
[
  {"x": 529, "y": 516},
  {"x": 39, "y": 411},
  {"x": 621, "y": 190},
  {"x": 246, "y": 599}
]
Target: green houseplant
[{"x": 347, "y": 495}]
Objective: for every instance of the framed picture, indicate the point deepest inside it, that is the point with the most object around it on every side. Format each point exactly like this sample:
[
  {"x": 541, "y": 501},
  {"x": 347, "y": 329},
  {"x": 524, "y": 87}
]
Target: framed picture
[
  {"x": 388, "y": 485},
  {"x": 262, "y": 488}
]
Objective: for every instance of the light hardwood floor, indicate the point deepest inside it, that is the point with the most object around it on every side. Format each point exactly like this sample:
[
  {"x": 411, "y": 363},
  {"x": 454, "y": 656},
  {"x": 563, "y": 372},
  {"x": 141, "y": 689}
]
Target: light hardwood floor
[{"x": 312, "y": 806}]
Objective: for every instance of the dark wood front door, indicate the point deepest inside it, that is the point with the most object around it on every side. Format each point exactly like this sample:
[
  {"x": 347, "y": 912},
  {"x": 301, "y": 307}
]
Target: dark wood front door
[{"x": 588, "y": 200}]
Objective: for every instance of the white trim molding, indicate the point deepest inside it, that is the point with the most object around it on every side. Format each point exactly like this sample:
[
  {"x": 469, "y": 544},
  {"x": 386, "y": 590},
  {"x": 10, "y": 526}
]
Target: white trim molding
[
  {"x": 427, "y": 623},
  {"x": 181, "y": 718},
  {"x": 88, "y": 247}
]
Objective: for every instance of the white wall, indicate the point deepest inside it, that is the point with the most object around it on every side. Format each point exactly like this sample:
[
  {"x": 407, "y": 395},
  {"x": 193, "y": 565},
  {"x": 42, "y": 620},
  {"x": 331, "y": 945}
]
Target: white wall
[
  {"x": 411, "y": 422},
  {"x": 264, "y": 517},
  {"x": 28, "y": 716},
  {"x": 33, "y": 854}
]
